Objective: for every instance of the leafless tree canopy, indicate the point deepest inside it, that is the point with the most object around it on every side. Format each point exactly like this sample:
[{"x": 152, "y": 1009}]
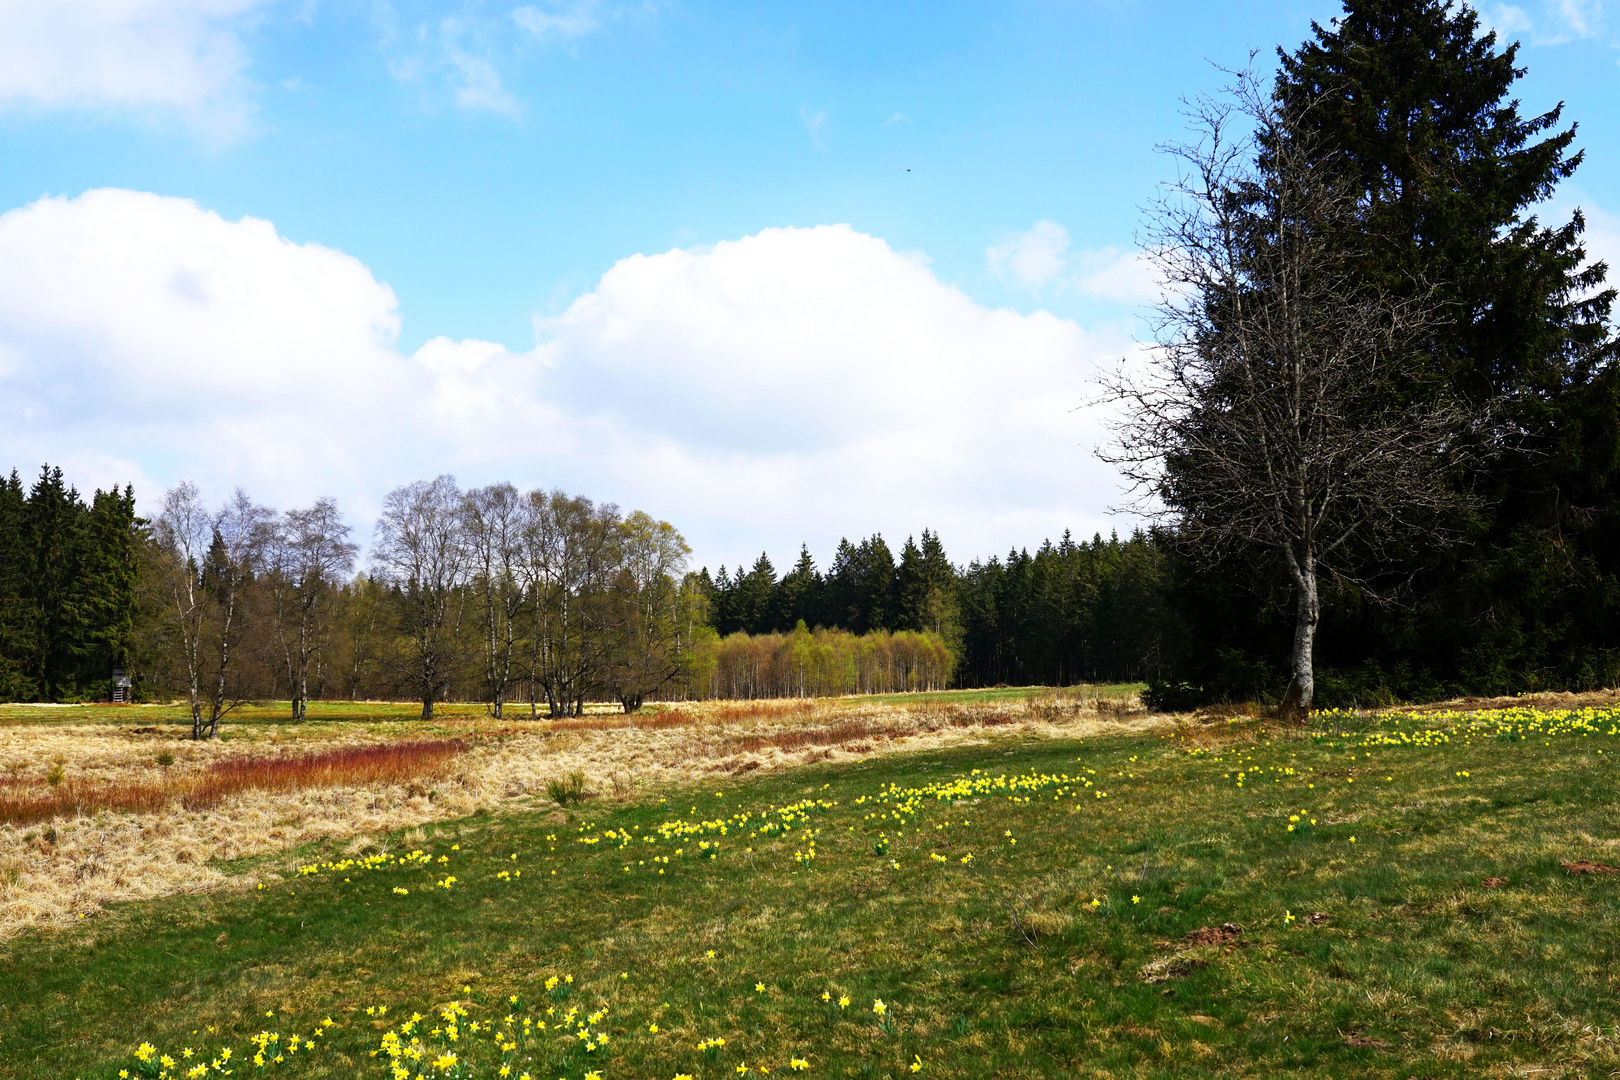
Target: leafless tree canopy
[
  {"x": 308, "y": 559},
  {"x": 1278, "y": 410},
  {"x": 420, "y": 549},
  {"x": 207, "y": 560}
]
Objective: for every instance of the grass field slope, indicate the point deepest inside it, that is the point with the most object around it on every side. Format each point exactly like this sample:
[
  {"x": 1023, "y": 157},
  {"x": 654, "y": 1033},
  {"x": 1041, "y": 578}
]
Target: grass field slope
[{"x": 1425, "y": 893}]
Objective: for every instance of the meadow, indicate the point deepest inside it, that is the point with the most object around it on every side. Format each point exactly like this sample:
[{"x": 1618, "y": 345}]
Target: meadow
[{"x": 1418, "y": 893}]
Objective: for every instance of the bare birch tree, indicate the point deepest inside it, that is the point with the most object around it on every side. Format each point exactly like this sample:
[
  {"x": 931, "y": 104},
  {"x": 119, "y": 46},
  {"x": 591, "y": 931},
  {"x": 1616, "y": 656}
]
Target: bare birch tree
[
  {"x": 183, "y": 531},
  {"x": 308, "y": 554},
  {"x": 208, "y": 559},
  {"x": 420, "y": 551},
  {"x": 1279, "y": 409},
  {"x": 493, "y": 518}
]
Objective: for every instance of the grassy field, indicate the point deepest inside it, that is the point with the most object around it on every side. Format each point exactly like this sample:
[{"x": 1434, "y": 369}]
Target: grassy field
[
  {"x": 277, "y": 713},
  {"x": 1378, "y": 898}
]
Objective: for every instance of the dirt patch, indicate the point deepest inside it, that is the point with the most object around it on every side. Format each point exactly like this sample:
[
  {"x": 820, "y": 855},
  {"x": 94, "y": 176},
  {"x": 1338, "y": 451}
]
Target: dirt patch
[
  {"x": 1582, "y": 866},
  {"x": 1224, "y": 934}
]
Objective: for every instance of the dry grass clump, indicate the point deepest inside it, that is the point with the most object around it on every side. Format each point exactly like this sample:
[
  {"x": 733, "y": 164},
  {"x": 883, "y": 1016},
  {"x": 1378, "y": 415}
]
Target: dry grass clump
[
  {"x": 348, "y": 784},
  {"x": 351, "y": 766}
]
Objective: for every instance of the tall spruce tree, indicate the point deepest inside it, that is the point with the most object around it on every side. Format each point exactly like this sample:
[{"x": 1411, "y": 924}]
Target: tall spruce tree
[
  {"x": 799, "y": 594},
  {"x": 18, "y": 642},
  {"x": 57, "y": 546},
  {"x": 1415, "y": 101}
]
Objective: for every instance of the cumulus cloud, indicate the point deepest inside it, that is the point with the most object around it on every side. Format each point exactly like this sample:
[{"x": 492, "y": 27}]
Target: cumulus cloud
[
  {"x": 150, "y": 339},
  {"x": 801, "y": 383},
  {"x": 1033, "y": 258},
  {"x": 1039, "y": 257},
  {"x": 798, "y": 384},
  {"x": 179, "y": 55}
]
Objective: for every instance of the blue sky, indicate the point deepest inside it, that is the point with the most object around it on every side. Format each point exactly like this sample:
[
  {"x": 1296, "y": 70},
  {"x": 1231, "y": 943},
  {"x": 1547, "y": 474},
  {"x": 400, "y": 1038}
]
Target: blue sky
[{"x": 490, "y": 162}]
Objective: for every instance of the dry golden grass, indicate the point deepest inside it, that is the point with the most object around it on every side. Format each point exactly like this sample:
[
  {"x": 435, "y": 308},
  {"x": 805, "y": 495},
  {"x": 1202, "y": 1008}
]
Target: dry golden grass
[{"x": 53, "y": 873}]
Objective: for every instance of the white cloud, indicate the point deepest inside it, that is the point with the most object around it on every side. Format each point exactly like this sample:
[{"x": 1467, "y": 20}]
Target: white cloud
[
  {"x": 815, "y": 124},
  {"x": 1039, "y": 257},
  {"x": 478, "y": 84},
  {"x": 804, "y": 383},
  {"x": 178, "y": 55},
  {"x": 1552, "y": 22},
  {"x": 1508, "y": 20},
  {"x": 153, "y": 340},
  {"x": 1111, "y": 273},
  {"x": 798, "y": 384},
  {"x": 463, "y": 51},
  {"x": 1032, "y": 258},
  {"x": 567, "y": 21}
]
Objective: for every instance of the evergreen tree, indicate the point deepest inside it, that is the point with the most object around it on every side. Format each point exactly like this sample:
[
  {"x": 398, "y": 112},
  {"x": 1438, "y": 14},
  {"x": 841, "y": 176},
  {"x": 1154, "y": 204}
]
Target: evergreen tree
[
  {"x": 799, "y": 595},
  {"x": 722, "y": 600},
  {"x": 1417, "y": 104},
  {"x": 908, "y": 588},
  {"x": 57, "y": 542},
  {"x": 18, "y": 643},
  {"x": 111, "y": 575},
  {"x": 936, "y": 597},
  {"x": 842, "y": 592},
  {"x": 753, "y": 606}
]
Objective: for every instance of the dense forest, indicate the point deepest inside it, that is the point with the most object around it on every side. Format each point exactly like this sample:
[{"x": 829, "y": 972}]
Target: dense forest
[
  {"x": 1067, "y": 613},
  {"x": 68, "y": 578}
]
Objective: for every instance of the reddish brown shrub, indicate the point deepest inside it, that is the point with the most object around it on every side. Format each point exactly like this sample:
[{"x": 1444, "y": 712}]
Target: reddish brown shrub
[{"x": 356, "y": 765}]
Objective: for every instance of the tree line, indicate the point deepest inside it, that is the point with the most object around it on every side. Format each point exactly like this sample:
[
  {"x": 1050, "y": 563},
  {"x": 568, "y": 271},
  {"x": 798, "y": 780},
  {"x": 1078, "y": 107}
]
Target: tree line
[
  {"x": 490, "y": 594},
  {"x": 1067, "y": 613},
  {"x": 824, "y": 663}
]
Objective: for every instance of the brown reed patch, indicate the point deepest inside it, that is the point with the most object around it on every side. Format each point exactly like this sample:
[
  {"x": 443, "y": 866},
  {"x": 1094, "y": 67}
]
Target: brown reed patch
[
  {"x": 710, "y": 713},
  {"x": 346, "y": 766},
  {"x": 845, "y": 731},
  {"x": 658, "y": 721}
]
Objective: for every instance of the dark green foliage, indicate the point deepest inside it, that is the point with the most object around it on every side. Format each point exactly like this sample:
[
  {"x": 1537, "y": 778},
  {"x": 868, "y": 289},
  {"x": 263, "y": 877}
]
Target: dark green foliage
[
  {"x": 1419, "y": 105},
  {"x": 1068, "y": 613},
  {"x": 68, "y": 578},
  {"x": 17, "y": 642},
  {"x": 861, "y": 586}
]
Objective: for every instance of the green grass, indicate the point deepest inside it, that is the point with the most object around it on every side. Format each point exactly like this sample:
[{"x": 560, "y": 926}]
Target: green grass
[{"x": 1065, "y": 954}]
